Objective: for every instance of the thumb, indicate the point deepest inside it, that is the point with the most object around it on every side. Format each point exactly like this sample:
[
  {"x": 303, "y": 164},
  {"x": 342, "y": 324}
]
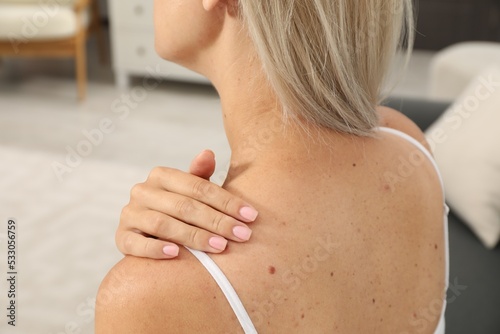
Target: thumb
[{"x": 203, "y": 165}]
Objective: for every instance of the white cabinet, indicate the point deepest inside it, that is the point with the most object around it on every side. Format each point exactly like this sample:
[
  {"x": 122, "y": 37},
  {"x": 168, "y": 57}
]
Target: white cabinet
[{"x": 132, "y": 40}]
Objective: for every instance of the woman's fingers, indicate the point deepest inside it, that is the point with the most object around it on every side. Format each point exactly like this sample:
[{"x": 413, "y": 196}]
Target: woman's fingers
[
  {"x": 162, "y": 226},
  {"x": 170, "y": 207},
  {"x": 203, "y": 165},
  {"x": 182, "y": 208},
  {"x": 203, "y": 191},
  {"x": 136, "y": 244}
]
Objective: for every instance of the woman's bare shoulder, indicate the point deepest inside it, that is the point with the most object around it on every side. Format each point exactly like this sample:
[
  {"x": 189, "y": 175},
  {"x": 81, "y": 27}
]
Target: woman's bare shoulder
[
  {"x": 161, "y": 296},
  {"x": 391, "y": 118}
]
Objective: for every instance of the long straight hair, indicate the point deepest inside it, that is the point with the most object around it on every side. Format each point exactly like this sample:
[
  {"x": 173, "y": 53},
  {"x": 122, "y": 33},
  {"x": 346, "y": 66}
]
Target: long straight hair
[{"x": 327, "y": 60}]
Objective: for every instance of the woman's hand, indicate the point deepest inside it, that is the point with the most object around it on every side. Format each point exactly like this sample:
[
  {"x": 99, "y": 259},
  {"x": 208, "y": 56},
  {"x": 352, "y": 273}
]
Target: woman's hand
[{"x": 183, "y": 208}]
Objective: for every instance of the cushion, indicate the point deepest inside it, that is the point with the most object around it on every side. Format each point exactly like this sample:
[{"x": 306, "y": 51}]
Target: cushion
[
  {"x": 466, "y": 144},
  {"x": 28, "y": 21},
  {"x": 453, "y": 68}
]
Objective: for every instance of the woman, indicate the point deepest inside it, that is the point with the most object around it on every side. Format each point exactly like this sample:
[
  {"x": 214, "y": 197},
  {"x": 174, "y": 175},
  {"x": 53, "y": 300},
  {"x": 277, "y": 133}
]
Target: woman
[{"x": 350, "y": 235}]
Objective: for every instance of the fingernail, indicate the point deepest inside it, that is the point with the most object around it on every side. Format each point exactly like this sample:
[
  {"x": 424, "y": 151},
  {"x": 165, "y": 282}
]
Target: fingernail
[
  {"x": 218, "y": 243},
  {"x": 202, "y": 153},
  {"x": 248, "y": 213},
  {"x": 242, "y": 233},
  {"x": 171, "y": 250}
]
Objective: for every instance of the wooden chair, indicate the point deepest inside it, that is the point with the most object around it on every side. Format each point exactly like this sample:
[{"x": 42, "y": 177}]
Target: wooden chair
[{"x": 43, "y": 30}]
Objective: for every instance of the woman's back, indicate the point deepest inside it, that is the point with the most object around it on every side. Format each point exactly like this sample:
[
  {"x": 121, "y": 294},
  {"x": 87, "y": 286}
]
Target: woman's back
[{"x": 349, "y": 239}]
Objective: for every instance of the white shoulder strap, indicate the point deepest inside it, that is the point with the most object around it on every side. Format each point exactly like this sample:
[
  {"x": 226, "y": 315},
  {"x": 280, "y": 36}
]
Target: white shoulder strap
[
  {"x": 419, "y": 146},
  {"x": 227, "y": 289}
]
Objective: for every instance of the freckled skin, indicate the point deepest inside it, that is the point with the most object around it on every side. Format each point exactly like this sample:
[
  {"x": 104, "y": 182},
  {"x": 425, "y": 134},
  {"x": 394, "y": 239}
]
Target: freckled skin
[{"x": 381, "y": 241}]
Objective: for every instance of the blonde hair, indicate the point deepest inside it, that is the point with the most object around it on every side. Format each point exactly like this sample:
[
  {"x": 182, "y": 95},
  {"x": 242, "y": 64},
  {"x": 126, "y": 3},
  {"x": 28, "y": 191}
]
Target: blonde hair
[{"x": 327, "y": 60}]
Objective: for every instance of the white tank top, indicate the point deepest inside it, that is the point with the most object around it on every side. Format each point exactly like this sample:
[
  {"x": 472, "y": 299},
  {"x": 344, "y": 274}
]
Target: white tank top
[{"x": 237, "y": 305}]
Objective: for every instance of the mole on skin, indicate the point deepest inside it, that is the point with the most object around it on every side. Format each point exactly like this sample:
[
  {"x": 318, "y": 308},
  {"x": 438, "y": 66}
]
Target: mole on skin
[{"x": 271, "y": 270}]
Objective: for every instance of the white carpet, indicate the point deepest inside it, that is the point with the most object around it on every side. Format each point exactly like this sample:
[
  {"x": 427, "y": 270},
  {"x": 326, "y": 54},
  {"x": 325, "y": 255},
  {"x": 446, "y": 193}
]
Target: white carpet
[{"x": 65, "y": 236}]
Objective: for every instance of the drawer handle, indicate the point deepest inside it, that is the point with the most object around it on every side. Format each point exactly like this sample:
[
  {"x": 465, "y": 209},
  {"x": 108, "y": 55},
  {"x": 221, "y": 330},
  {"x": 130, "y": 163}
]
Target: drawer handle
[
  {"x": 141, "y": 51},
  {"x": 138, "y": 10}
]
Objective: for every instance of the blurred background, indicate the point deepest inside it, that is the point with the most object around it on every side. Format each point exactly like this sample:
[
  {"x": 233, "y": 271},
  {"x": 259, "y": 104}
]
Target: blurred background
[{"x": 87, "y": 108}]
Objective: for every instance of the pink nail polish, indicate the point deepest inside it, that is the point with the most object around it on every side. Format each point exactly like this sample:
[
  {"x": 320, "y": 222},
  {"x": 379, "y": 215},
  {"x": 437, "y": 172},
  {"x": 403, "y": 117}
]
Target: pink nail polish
[
  {"x": 218, "y": 243},
  {"x": 242, "y": 233},
  {"x": 248, "y": 213},
  {"x": 171, "y": 250}
]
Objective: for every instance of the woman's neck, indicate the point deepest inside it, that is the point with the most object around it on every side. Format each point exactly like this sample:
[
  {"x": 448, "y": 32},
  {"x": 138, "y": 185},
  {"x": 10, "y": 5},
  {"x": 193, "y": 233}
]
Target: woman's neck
[
  {"x": 252, "y": 114},
  {"x": 251, "y": 111}
]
